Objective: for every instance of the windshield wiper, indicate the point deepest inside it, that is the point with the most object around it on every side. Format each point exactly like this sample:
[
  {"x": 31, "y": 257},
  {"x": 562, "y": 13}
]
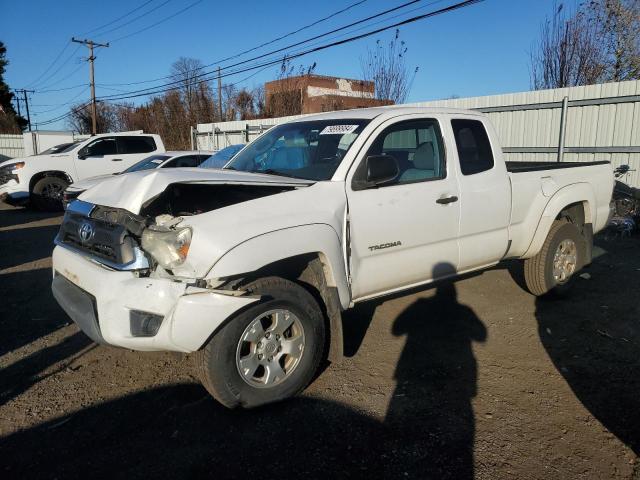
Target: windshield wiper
[{"x": 271, "y": 171}]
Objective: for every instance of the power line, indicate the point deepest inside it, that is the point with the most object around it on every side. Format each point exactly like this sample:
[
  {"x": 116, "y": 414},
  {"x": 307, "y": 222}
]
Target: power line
[
  {"x": 159, "y": 22},
  {"x": 144, "y": 14},
  {"x": 441, "y": 11},
  {"x": 161, "y": 88},
  {"x": 59, "y": 105},
  {"x": 66, "y": 45},
  {"x": 316, "y": 22},
  {"x": 61, "y": 79},
  {"x": 57, "y": 70},
  {"x": 119, "y": 18},
  {"x": 65, "y": 88},
  {"x": 64, "y": 49},
  {"x": 411, "y": 2}
]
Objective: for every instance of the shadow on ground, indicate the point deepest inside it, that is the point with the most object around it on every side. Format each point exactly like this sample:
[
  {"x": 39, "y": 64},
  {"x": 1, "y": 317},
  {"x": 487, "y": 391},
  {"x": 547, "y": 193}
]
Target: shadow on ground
[
  {"x": 27, "y": 308},
  {"x": 595, "y": 344},
  {"x": 179, "y": 431},
  {"x": 11, "y": 216}
]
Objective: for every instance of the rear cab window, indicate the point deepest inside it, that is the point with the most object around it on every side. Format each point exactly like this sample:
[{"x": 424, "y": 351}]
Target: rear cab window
[
  {"x": 473, "y": 145},
  {"x": 136, "y": 144}
]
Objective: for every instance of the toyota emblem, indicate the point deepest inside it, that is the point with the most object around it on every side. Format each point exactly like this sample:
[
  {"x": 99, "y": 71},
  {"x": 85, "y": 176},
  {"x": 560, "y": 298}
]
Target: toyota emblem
[{"x": 85, "y": 231}]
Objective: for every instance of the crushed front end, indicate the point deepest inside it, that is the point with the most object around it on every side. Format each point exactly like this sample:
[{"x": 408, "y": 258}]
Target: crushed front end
[{"x": 118, "y": 294}]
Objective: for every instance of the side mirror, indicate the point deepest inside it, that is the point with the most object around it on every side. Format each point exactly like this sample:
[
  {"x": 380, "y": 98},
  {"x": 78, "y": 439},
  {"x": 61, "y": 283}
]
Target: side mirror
[
  {"x": 381, "y": 169},
  {"x": 376, "y": 170},
  {"x": 82, "y": 154}
]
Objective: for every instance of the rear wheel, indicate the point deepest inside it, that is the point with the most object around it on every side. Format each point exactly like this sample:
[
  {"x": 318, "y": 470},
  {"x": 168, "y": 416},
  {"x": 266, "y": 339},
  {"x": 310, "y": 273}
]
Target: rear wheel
[
  {"x": 561, "y": 256},
  {"x": 267, "y": 353},
  {"x": 47, "y": 194}
]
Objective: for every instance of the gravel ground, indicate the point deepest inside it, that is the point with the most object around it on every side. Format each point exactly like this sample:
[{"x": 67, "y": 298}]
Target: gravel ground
[{"x": 472, "y": 379}]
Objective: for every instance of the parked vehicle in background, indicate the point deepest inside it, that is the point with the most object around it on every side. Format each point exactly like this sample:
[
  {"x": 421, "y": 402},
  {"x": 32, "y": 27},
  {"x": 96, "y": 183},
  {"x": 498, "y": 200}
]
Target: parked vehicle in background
[
  {"x": 42, "y": 179},
  {"x": 172, "y": 159},
  {"x": 626, "y": 205},
  {"x": 222, "y": 157},
  {"x": 249, "y": 267}
]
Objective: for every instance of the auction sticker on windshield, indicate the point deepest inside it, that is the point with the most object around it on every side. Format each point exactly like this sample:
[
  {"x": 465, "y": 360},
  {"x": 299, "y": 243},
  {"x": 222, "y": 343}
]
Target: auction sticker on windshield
[{"x": 338, "y": 129}]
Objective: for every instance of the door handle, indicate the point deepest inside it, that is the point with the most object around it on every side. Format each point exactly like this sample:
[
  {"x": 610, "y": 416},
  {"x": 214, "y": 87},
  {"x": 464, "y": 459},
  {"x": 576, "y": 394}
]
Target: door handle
[
  {"x": 445, "y": 200},
  {"x": 116, "y": 159}
]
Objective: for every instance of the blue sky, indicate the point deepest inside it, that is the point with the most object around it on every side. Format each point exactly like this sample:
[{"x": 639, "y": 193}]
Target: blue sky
[{"x": 479, "y": 50}]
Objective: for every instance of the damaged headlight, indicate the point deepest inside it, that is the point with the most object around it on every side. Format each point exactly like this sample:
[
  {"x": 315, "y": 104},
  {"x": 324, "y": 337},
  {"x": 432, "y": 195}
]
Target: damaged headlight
[{"x": 168, "y": 247}]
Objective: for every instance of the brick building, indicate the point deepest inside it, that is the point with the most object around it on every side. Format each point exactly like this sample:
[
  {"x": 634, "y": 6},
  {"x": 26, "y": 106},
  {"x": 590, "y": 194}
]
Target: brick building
[{"x": 318, "y": 93}]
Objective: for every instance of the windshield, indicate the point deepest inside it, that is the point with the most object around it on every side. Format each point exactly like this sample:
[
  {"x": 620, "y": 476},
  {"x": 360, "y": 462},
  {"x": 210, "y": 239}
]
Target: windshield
[
  {"x": 62, "y": 148},
  {"x": 154, "y": 161},
  {"x": 311, "y": 150},
  {"x": 221, "y": 157}
]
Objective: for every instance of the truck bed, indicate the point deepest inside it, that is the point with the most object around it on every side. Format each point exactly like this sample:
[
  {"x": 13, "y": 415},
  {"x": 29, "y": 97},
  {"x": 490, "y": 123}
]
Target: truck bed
[
  {"x": 519, "y": 167},
  {"x": 533, "y": 184}
]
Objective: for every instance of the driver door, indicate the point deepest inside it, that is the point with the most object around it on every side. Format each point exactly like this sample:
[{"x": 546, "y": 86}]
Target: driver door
[
  {"x": 100, "y": 157},
  {"x": 404, "y": 232}
]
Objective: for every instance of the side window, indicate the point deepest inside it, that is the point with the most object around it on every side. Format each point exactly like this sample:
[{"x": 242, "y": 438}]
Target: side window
[
  {"x": 474, "y": 148},
  {"x": 137, "y": 144},
  {"x": 417, "y": 147},
  {"x": 101, "y": 146},
  {"x": 186, "y": 161}
]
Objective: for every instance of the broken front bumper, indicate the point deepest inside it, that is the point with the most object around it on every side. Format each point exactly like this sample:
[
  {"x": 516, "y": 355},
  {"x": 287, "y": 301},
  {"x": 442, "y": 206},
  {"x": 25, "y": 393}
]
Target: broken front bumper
[
  {"x": 106, "y": 304},
  {"x": 12, "y": 193}
]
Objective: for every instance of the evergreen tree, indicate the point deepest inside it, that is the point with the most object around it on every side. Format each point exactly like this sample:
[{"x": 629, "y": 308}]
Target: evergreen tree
[{"x": 10, "y": 122}]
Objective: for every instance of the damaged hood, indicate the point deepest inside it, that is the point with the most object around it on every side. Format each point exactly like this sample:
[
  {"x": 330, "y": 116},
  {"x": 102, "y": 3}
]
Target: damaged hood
[{"x": 132, "y": 190}]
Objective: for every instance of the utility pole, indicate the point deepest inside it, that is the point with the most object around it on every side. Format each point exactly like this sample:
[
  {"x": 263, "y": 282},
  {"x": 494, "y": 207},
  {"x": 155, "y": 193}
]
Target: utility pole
[
  {"x": 18, "y": 105},
  {"x": 26, "y": 103},
  {"x": 91, "y": 44},
  {"x": 220, "y": 95}
]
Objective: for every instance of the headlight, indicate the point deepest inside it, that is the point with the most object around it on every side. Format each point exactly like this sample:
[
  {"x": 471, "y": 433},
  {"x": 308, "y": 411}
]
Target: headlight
[
  {"x": 12, "y": 167},
  {"x": 168, "y": 247}
]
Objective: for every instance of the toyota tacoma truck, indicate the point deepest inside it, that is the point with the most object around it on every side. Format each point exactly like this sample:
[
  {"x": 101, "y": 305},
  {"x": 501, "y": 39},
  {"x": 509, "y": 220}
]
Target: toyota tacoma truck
[
  {"x": 250, "y": 267},
  {"x": 40, "y": 180}
]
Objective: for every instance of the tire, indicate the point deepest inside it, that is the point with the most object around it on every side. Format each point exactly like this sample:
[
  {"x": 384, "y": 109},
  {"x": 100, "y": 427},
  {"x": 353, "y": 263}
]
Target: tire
[
  {"x": 218, "y": 364},
  {"x": 539, "y": 270},
  {"x": 47, "y": 194}
]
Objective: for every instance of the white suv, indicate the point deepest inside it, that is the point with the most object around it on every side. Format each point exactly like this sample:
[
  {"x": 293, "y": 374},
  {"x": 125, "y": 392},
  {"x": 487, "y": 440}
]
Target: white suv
[{"x": 41, "y": 179}]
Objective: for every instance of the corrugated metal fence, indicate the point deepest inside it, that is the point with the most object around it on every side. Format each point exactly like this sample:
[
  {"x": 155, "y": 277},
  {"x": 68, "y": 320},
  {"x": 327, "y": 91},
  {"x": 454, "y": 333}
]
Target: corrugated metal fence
[
  {"x": 11, "y": 146},
  {"x": 598, "y": 121}
]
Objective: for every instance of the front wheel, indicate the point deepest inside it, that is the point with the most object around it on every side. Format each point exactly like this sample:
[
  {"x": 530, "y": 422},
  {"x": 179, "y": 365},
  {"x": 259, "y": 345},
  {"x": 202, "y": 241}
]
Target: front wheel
[
  {"x": 268, "y": 352},
  {"x": 47, "y": 194},
  {"x": 553, "y": 269}
]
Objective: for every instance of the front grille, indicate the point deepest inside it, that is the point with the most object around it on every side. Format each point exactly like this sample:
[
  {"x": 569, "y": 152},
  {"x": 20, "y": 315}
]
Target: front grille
[{"x": 108, "y": 241}]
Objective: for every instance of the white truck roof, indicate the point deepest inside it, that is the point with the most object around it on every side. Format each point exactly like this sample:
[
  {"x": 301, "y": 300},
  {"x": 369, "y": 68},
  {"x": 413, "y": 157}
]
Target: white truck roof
[{"x": 391, "y": 111}]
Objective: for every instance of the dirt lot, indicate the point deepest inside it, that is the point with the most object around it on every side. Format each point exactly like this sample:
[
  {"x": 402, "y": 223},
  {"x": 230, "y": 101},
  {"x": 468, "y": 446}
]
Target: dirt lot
[{"x": 477, "y": 379}]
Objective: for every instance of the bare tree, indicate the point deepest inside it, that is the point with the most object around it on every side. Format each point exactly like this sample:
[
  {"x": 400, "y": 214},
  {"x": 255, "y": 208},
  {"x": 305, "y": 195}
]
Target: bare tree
[
  {"x": 259, "y": 102},
  {"x": 107, "y": 118},
  {"x": 617, "y": 25},
  {"x": 598, "y": 42},
  {"x": 244, "y": 102},
  {"x": 386, "y": 66},
  {"x": 195, "y": 93}
]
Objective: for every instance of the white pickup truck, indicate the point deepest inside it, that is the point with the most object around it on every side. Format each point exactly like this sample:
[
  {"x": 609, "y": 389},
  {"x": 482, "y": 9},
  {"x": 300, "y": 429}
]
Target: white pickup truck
[
  {"x": 250, "y": 267},
  {"x": 42, "y": 179}
]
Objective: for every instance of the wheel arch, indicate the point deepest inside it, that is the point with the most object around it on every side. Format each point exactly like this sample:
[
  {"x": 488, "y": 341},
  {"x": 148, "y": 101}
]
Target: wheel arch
[
  {"x": 575, "y": 203},
  {"x": 310, "y": 255},
  {"x": 35, "y": 178}
]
